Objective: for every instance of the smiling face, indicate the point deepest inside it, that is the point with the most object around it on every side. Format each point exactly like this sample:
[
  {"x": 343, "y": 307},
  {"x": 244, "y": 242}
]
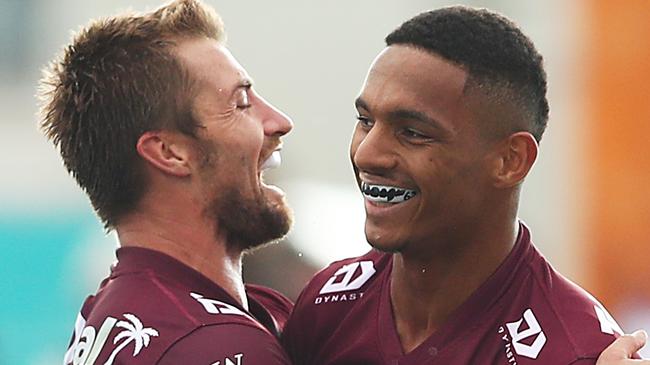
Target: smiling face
[
  {"x": 417, "y": 153},
  {"x": 239, "y": 137}
]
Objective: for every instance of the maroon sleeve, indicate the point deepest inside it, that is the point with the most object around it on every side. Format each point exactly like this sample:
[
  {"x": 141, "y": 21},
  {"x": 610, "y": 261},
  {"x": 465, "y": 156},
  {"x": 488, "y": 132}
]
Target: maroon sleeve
[
  {"x": 290, "y": 341},
  {"x": 226, "y": 344},
  {"x": 298, "y": 336},
  {"x": 584, "y": 362},
  {"x": 278, "y": 306}
]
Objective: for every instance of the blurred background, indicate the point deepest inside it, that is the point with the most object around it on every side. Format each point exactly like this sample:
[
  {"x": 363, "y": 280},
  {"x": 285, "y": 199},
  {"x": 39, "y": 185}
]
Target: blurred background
[{"x": 587, "y": 200}]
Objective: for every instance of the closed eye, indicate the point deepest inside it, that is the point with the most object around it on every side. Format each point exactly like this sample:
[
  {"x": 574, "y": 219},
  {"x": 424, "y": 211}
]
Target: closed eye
[
  {"x": 365, "y": 121},
  {"x": 413, "y": 133},
  {"x": 242, "y": 99}
]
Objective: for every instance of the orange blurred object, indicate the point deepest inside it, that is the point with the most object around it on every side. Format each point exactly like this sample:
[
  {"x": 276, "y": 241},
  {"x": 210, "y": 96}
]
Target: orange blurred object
[{"x": 618, "y": 165}]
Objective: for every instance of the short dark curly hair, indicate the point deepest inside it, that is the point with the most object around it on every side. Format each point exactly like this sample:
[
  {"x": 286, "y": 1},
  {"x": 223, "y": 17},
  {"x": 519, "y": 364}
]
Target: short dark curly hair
[
  {"x": 500, "y": 60},
  {"x": 118, "y": 79}
]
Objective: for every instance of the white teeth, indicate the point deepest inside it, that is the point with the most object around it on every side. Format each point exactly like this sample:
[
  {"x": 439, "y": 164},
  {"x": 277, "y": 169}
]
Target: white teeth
[
  {"x": 273, "y": 161},
  {"x": 386, "y": 194}
]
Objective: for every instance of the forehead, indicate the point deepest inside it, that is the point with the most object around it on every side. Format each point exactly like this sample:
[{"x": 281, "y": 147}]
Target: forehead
[
  {"x": 406, "y": 77},
  {"x": 210, "y": 63}
]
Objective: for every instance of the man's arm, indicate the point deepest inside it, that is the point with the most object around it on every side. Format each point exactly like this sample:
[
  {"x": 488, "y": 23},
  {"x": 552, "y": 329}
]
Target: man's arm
[{"x": 621, "y": 351}]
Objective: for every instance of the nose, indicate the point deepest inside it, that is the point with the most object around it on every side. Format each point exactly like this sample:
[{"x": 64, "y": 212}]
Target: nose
[
  {"x": 373, "y": 151},
  {"x": 276, "y": 123}
]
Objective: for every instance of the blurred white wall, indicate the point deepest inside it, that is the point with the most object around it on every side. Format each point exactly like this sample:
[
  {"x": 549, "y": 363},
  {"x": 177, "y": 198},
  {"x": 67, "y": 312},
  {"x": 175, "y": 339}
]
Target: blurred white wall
[{"x": 309, "y": 58}]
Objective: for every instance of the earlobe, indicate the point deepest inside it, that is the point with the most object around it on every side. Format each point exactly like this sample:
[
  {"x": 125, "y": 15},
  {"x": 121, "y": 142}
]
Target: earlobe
[
  {"x": 164, "y": 152},
  {"x": 516, "y": 157}
]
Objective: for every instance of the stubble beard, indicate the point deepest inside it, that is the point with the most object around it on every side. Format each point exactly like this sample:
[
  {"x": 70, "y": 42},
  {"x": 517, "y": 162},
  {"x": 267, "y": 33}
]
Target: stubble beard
[
  {"x": 246, "y": 222},
  {"x": 249, "y": 223}
]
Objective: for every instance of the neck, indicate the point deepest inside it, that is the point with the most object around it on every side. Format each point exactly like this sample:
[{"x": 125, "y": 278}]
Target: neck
[
  {"x": 195, "y": 245},
  {"x": 426, "y": 289}
]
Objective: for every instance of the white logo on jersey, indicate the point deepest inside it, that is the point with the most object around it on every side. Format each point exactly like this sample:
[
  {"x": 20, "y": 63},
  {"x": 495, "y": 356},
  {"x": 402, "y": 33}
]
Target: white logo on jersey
[
  {"x": 533, "y": 329},
  {"x": 346, "y": 284},
  {"x": 238, "y": 360},
  {"x": 607, "y": 323},
  {"x": 88, "y": 343},
  {"x": 214, "y": 306}
]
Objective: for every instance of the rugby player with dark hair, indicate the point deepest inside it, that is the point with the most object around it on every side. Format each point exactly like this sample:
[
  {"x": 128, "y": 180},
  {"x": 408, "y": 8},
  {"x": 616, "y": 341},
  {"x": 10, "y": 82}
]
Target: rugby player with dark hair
[
  {"x": 161, "y": 127},
  {"x": 450, "y": 118}
]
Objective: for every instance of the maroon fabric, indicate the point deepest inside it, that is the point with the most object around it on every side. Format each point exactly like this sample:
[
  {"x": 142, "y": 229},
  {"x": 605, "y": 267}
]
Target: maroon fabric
[
  {"x": 153, "y": 309},
  {"x": 525, "y": 313}
]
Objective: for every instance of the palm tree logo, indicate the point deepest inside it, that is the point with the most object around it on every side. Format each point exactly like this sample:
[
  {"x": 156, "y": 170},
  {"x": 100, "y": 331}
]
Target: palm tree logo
[{"x": 135, "y": 332}]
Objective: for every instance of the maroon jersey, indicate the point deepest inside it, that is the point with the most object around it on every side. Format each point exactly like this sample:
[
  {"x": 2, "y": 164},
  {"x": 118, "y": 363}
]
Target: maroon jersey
[
  {"x": 153, "y": 309},
  {"x": 524, "y": 313}
]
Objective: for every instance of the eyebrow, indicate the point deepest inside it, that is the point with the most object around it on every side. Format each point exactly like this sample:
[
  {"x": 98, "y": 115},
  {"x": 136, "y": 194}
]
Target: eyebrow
[
  {"x": 359, "y": 103},
  {"x": 401, "y": 114}
]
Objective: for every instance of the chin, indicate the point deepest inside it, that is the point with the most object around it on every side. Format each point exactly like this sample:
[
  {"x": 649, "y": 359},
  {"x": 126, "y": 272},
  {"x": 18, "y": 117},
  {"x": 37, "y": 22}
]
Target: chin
[
  {"x": 283, "y": 221},
  {"x": 251, "y": 222},
  {"x": 274, "y": 224},
  {"x": 381, "y": 241}
]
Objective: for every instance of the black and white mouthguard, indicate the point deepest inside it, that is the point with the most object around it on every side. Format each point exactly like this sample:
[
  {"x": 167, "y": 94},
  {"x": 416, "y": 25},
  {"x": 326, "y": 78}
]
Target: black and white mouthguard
[{"x": 386, "y": 194}]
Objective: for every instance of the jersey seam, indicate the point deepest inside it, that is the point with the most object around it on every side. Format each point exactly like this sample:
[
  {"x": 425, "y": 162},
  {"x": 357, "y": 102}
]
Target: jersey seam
[
  {"x": 548, "y": 298},
  {"x": 200, "y": 326},
  {"x": 580, "y": 358},
  {"x": 171, "y": 297}
]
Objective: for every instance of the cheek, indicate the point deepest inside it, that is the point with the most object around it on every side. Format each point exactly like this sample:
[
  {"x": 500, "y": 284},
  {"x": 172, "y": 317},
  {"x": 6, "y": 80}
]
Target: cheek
[
  {"x": 438, "y": 175},
  {"x": 454, "y": 183},
  {"x": 246, "y": 140}
]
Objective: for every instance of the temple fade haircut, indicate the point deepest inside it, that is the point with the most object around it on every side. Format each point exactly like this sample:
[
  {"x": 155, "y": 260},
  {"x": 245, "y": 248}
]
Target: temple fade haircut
[
  {"x": 501, "y": 62},
  {"x": 118, "y": 79}
]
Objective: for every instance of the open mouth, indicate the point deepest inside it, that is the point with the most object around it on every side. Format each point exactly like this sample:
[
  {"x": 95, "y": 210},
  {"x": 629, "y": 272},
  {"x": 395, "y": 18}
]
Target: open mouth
[
  {"x": 386, "y": 194},
  {"x": 273, "y": 161}
]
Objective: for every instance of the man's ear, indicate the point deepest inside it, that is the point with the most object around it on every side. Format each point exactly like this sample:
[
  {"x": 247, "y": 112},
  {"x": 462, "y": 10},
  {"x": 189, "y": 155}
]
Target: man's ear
[
  {"x": 165, "y": 150},
  {"x": 514, "y": 158}
]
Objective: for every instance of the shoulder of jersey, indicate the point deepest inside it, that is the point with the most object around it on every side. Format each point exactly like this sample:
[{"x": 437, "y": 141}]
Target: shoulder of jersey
[
  {"x": 275, "y": 303},
  {"x": 149, "y": 310},
  {"x": 269, "y": 297},
  {"x": 161, "y": 300},
  {"x": 346, "y": 276},
  {"x": 588, "y": 326}
]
